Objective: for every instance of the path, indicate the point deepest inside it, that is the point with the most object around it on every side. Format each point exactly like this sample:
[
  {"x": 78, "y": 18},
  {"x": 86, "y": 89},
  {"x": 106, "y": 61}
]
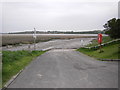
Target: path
[{"x": 67, "y": 68}]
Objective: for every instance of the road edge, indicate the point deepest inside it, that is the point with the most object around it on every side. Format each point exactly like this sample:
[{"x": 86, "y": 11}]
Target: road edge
[{"x": 12, "y": 79}]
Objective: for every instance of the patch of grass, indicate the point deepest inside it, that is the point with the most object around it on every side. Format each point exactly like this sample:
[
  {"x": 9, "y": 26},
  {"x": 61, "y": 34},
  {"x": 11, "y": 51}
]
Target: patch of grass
[
  {"x": 104, "y": 40},
  {"x": 110, "y": 51},
  {"x": 0, "y": 75},
  {"x": 14, "y": 61}
]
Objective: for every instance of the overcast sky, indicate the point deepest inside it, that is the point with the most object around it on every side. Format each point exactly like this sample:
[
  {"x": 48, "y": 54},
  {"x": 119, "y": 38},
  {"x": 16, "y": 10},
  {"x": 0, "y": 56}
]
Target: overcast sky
[{"x": 66, "y": 15}]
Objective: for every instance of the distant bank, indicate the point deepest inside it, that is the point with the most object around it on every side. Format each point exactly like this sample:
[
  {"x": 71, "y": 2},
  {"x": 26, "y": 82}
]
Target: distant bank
[
  {"x": 53, "y": 34},
  {"x": 59, "y": 32}
]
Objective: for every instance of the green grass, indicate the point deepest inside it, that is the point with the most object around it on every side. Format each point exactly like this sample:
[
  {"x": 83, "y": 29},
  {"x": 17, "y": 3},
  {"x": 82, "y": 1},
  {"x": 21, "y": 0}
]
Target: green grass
[
  {"x": 0, "y": 75},
  {"x": 14, "y": 61},
  {"x": 110, "y": 51},
  {"x": 104, "y": 40}
]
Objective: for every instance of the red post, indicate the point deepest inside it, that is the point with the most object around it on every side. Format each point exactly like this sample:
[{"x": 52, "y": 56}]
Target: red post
[{"x": 100, "y": 41}]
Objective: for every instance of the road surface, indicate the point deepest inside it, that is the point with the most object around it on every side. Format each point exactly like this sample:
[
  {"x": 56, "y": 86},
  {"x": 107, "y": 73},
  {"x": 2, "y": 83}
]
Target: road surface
[{"x": 67, "y": 68}]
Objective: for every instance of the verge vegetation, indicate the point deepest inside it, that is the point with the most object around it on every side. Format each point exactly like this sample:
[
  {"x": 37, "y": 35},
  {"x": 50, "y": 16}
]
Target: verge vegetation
[
  {"x": 95, "y": 42},
  {"x": 14, "y": 61},
  {"x": 110, "y": 51}
]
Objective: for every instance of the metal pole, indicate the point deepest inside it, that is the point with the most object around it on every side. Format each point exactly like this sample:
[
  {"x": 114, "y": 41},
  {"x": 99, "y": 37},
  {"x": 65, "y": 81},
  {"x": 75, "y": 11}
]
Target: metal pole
[
  {"x": 34, "y": 39},
  {"x": 100, "y": 48}
]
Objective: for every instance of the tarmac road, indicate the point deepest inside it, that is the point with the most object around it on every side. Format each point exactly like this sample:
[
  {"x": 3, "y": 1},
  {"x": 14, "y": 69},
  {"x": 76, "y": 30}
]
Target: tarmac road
[{"x": 67, "y": 68}]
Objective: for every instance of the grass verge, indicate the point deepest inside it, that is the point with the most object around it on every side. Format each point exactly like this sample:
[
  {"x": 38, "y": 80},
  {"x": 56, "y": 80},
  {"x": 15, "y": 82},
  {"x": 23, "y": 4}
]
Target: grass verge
[
  {"x": 110, "y": 51},
  {"x": 14, "y": 61},
  {"x": 104, "y": 40}
]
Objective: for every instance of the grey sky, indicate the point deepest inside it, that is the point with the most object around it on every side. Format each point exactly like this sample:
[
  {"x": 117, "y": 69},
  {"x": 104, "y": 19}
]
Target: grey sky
[{"x": 57, "y": 15}]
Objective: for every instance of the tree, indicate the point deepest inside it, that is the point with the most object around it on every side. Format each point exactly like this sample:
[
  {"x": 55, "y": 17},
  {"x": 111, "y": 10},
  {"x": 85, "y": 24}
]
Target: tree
[{"x": 112, "y": 28}]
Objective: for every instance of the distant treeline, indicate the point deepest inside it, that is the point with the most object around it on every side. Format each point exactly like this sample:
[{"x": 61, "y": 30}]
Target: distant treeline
[{"x": 59, "y": 32}]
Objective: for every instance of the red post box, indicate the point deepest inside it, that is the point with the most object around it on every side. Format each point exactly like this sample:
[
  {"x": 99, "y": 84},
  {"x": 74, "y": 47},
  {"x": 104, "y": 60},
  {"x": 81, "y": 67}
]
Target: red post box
[
  {"x": 100, "y": 41},
  {"x": 100, "y": 38}
]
